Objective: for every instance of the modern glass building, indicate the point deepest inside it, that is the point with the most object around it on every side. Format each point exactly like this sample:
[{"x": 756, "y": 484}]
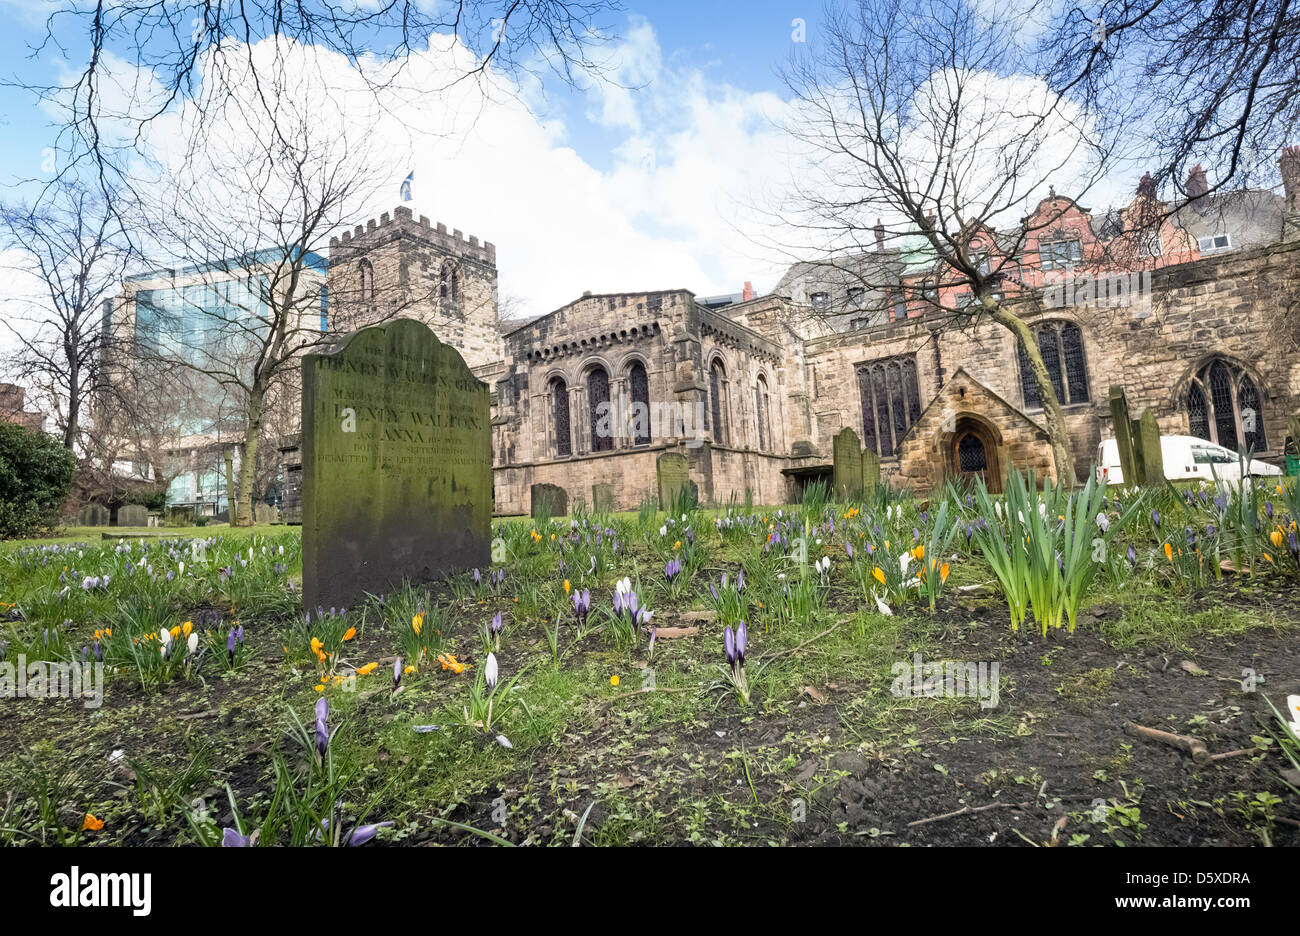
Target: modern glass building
[{"x": 204, "y": 320}]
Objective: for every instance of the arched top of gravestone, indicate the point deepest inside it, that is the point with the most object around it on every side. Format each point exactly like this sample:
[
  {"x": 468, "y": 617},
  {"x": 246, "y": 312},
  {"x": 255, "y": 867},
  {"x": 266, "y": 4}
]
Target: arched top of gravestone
[{"x": 408, "y": 348}]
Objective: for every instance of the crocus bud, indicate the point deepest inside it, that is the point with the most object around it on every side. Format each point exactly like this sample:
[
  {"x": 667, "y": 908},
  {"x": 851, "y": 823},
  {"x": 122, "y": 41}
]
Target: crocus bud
[
  {"x": 729, "y": 645},
  {"x": 742, "y": 635},
  {"x": 397, "y": 672},
  {"x": 490, "y": 671},
  {"x": 322, "y": 726}
]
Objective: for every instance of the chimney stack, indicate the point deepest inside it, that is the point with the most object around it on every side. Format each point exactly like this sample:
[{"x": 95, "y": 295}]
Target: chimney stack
[
  {"x": 880, "y": 236},
  {"x": 1147, "y": 186},
  {"x": 748, "y": 292},
  {"x": 1290, "y": 166},
  {"x": 1197, "y": 184}
]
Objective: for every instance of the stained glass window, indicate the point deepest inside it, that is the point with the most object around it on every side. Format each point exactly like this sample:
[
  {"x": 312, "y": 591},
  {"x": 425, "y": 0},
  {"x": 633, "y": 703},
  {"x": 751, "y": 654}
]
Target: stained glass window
[
  {"x": 640, "y": 386},
  {"x": 890, "y": 403},
  {"x": 1061, "y": 345},
  {"x": 602, "y": 435},
  {"x": 1223, "y": 405},
  {"x": 560, "y": 402}
]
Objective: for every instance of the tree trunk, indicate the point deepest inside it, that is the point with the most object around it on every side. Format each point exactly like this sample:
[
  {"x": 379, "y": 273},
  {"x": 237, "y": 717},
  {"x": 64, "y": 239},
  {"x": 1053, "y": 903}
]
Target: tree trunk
[
  {"x": 74, "y": 408},
  {"x": 1053, "y": 415},
  {"x": 232, "y": 492},
  {"x": 247, "y": 467}
]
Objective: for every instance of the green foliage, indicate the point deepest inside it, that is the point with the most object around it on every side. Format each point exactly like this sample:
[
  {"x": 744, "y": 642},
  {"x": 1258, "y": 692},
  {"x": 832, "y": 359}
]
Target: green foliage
[{"x": 35, "y": 474}]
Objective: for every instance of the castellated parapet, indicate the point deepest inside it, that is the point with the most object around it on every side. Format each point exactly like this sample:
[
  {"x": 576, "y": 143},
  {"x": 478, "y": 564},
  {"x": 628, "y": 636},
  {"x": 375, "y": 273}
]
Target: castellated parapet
[
  {"x": 402, "y": 222},
  {"x": 399, "y": 266}
]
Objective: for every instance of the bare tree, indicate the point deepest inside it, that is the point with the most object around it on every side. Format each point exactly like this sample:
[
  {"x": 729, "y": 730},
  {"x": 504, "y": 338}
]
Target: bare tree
[
  {"x": 72, "y": 246},
  {"x": 1209, "y": 81},
  {"x": 145, "y": 59},
  {"x": 244, "y": 233},
  {"x": 928, "y": 151}
]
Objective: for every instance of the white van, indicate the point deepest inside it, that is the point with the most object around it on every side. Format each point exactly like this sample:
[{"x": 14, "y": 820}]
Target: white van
[{"x": 1186, "y": 458}]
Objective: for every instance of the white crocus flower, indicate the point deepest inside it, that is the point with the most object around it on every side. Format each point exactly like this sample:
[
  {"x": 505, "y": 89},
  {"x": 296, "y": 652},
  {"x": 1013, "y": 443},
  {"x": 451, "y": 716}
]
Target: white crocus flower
[
  {"x": 165, "y": 637},
  {"x": 192, "y": 645},
  {"x": 1293, "y": 712},
  {"x": 997, "y": 506},
  {"x": 663, "y": 530},
  {"x": 1103, "y": 521},
  {"x": 623, "y": 586},
  {"x": 182, "y": 569},
  {"x": 881, "y": 606},
  {"x": 490, "y": 671}
]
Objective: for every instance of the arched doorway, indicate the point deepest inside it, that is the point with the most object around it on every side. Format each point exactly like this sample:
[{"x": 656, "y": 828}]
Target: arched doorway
[{"x": 973, "y": 452}]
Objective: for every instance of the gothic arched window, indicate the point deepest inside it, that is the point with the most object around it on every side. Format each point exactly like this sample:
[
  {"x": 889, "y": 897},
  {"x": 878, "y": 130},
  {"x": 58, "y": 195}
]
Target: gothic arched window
[
  {"x": 1061, "y": 345},
  {"x": 891, "y": 402},
  {"x": 717, "y": 390},
  {"x": 639, "y": 385},
  {"x": 367, "y": 282},
  {"x": 762, "y": 413},
  {"x": 1223, "y": 405},
  {"x": 560, "y": 414},
  {"x": 449, "y": 281},
  {"x": 602, "y": 430}
]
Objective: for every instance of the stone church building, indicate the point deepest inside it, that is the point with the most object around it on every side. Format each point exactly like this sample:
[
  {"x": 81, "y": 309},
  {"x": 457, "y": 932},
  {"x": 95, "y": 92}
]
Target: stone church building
[{"x": 1199, "y": 323}]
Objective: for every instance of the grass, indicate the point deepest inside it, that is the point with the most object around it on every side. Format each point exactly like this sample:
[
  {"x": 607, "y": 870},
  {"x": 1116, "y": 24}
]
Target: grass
[{"x": 589, "y": 761}]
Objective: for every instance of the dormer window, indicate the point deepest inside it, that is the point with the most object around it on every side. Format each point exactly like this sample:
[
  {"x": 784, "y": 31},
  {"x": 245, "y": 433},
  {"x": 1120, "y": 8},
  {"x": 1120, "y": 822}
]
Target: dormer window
[
  {"x": 855, "y": 297},
  {"x": 1214, "y": 242},
  {"x": 820, "y": 302}
]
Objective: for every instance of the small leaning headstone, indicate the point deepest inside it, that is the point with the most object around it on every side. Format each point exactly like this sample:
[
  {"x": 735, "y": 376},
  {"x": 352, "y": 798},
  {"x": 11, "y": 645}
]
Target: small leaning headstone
[{"x": 550, "y": 500}]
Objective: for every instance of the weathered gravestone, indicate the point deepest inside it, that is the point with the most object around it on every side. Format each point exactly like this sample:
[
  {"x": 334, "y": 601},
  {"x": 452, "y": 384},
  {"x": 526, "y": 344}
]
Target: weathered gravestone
[
  {"x": 847, "y": 459},
  {"x": 673, "y": 473},
  {"x": 264, "y": 513},
  {"x": 396, "y": 464},
  {"x": 870, "y": 470},
  {"x": 93, "y": 515},
  {"x": 1147, "y": 452},
  {"x": 602, "y": 498},
  {"x": 549, "y": 500},
  {"x": 132, "y": 515},
  {"x": 1123, "y": 427}
]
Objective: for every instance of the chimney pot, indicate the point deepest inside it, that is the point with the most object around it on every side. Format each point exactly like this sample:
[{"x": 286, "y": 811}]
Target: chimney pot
[
  {"x": 747, "y": 293},
  {"x": 1197, "y": 184}
]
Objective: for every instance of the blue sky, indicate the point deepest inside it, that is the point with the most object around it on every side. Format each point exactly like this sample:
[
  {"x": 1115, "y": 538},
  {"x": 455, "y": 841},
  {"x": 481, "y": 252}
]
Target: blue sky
[{"x": 654, "y": 204}]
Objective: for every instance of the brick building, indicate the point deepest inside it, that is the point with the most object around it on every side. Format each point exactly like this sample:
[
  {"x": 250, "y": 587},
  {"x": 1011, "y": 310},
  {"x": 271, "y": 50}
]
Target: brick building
[{"x": 13, "y": 408}]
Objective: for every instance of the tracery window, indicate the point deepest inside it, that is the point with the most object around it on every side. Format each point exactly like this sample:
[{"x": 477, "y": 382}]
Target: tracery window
[
  {"x": 891, "y": 402},
  {"x": 1061, "y": 345},
  {"x": 1223, "y": 405}
]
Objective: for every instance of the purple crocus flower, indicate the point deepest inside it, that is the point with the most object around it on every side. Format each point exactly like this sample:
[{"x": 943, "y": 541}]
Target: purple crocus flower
[
  {"x": 397, "y": 672},
  {"x": 740, "y": 580},
  {"x": 1132, "y": 557},
  {"x": 618, "y": 602},
  {"x": 365, "y": 833},
  {"x": 1268, "y": 509},
  {"x": 729, "y": 645},
  {"x": 477, "y": 578},
  {"x": 322, "y": 726},
  {"x": 230, "y": 838},
  {"x": 230, "y": 644},
  {"x": 742, "y": 635},
  {"x": 1155, "y": 518},
  {"x": 497, "y": 625},
  {"x": 848, "y": 548}
]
